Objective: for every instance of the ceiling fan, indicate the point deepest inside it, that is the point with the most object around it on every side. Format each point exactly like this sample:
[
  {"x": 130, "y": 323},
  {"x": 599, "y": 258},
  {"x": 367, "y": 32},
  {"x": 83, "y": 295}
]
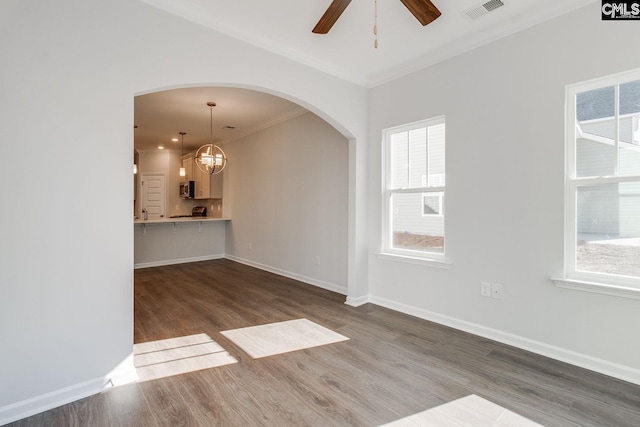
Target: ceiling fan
[{"x": 424, "y": 11}]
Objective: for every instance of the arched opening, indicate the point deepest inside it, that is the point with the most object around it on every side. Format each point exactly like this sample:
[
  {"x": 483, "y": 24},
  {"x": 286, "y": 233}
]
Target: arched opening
[{"x": 285, "y": 191}]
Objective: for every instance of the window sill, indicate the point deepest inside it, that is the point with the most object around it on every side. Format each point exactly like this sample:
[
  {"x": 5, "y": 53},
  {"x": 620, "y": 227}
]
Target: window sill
[
  {"x": 599, "y": 288},
  {"x": 415, "y": 260}
]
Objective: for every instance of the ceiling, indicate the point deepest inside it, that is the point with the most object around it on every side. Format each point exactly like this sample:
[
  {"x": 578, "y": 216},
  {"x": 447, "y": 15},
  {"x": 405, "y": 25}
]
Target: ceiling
[
  {"x": 347, "y": 51},
  {"x": 161, "y": 116}
]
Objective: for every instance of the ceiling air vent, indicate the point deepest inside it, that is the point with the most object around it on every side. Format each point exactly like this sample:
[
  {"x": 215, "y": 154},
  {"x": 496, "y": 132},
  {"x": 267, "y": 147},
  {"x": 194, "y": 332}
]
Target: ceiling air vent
[{"x": 482, "y": 9}]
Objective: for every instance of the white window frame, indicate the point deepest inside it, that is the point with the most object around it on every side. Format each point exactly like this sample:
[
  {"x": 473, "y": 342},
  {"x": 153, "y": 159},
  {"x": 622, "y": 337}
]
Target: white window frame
[
  {"x": 610, "y": 284},
  {"x": 436, "y": 259}
]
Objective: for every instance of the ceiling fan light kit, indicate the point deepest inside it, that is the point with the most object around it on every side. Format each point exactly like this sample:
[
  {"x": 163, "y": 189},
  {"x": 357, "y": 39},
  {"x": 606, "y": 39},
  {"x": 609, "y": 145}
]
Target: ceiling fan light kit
[{"x": 424, "y": 11}]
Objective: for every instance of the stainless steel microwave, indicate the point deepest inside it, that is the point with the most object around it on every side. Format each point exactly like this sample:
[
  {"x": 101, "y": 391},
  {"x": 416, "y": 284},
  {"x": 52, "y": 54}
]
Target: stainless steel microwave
[{"x": 187, "y": 189}]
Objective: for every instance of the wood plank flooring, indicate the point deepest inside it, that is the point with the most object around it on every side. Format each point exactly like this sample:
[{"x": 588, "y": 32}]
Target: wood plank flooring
[{"x": 393, "y": 365}]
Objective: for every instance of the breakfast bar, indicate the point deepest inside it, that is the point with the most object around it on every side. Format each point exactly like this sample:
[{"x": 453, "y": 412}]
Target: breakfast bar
[{"x": 178, "y": 240}]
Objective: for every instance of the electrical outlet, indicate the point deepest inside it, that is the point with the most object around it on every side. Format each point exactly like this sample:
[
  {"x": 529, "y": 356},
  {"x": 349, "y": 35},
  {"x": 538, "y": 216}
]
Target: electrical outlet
[
  {"x": 496, "y": 291},
  {"x": 177, "y": 207},
  {"x": 485, "y": 289},
  {"x": 317, "y": 259},
  {"x": 250, "y": 246},
  {"x": 218, "y": 208}
]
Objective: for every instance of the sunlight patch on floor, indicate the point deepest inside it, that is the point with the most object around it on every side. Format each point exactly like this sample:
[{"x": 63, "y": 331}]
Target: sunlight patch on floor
[
  {"x": 282, "y": 337},
  {"x": 471, "y": 410},
  {"x": 175, "y": 356}
]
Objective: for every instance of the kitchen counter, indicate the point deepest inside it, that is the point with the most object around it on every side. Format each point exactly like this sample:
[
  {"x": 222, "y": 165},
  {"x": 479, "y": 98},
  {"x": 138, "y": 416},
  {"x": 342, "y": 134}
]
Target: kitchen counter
[{"x": 183, "y": 219}]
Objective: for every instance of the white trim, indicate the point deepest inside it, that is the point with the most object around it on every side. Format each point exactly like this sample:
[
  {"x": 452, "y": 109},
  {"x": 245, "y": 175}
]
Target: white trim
[
  {"x": 431, "y": 262},
  {"x": 124, "y": 373},
  {"x": 610, "y": 80},
  {"x": 598, "y": 288},
  {"x": 573, "y": 278},
  {"x": 608, "y": 141},
  {"x": 204, "y": 17},
  {"x": 44, "y": 402},
  {"x": 615, "y": 370},
  {"x": 569, "y": 174},
  {"x": 305, "y": 279},
  {"x": 584, "y": 181},
  {"x": 176, "y": 261},
  {"x": 295, "y": 276},
  {"x": 277, "y": 120},
  {"x": 357, "y": 302},
  {"x": 388, "y": 192},
  {"x": 418, "y": 190}
]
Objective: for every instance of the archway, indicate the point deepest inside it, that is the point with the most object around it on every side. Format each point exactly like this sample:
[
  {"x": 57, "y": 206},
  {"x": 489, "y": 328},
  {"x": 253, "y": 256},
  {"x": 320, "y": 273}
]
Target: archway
[{"x": 184, "y": 109}]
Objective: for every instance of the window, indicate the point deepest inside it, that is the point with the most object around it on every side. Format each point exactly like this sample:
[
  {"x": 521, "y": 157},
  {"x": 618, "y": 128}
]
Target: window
[
  {"x": 414, "y": 188},
  {"x": 432, "y": 204},
  {"x": 602, "y": 235}
]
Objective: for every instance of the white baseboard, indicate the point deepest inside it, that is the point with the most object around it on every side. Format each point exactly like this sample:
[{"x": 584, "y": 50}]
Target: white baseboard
[
  {"x": 311, "y": 281},
  {"x": 124, "y": 373},
  {"x": 37, "y": 404},
  {"x": 176, "y": 261},
  {"x": 357, "y": 302},
  {"x": 44, "y": 402},
  {"x": 605, "y": 367}
]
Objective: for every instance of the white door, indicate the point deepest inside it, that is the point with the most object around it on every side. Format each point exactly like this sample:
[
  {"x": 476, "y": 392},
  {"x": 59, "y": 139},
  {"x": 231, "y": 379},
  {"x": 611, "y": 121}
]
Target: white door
[{"x": 152, "y": 186}]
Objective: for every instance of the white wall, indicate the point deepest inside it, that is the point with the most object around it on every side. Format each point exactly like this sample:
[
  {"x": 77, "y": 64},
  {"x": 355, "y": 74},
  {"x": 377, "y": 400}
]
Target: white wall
[
  {"x": 286, "y": 190},
  {"x": 70, "y": 70},
  {"x": 504, "y": 107},
  {"x": 69, "y": 73}
]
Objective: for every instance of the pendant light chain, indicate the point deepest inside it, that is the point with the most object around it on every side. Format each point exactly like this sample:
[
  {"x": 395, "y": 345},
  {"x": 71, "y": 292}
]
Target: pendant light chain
[
  {"x": 375, "y": 23},
  {"x": 211, "y": 121}
]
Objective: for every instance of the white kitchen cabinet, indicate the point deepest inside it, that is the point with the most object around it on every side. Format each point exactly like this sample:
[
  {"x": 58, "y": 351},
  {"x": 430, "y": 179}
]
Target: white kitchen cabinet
[
  {"x": 203, "y": 183},
  {"x": 216, "y": 186},
  {"x": 188, "y": 165},
  {"x": 206, "y": 187}
]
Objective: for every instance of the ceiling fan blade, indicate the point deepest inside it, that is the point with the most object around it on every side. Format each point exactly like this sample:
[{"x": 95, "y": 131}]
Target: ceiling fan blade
[
  {"x": 331, "y": 15},
  {"x": 424, "y": 11}
]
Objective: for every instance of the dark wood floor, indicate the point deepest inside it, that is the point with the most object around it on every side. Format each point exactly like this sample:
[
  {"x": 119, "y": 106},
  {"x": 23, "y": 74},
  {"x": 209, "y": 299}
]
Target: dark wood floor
[{"x": 393, "y": 366}]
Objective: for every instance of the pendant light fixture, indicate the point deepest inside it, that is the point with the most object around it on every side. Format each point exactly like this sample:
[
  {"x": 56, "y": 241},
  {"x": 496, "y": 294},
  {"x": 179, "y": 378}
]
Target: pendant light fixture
[
  {"x": 135, "y": 165},
  {"x": 210, "y": 158},
  {"x": 375, "y": 24},
  {"x": 183, "y": 172}
]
